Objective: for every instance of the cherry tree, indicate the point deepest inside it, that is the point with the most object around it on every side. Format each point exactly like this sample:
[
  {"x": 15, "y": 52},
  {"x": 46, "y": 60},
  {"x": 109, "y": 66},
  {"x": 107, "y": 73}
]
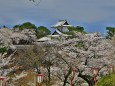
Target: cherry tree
[
  {"x": 5, "y": 61},
  {"x": 83, "y": 52}
]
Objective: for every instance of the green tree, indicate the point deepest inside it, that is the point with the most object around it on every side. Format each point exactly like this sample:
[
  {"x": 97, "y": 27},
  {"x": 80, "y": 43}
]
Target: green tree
[
  {"x": 27, "y": 25},
  {"x": 77, "y": 28},
  {"x": 3, "y": 50},
  {"x": 42, "y": 31},
  {"x": 110, "y": 32},
  {"x": 73, "y": 30},
  {"x": 4, "y": 26},
  {"x": 16, "y": 26}
]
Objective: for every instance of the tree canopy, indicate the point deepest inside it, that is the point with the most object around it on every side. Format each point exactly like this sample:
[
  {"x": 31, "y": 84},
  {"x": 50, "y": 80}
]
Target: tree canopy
[
  {"x": 26, "y": 25},
  {"x": 110, "y": 32},
  {"x": 77, "y": 28},
  {"x": 42, "y": 31}
]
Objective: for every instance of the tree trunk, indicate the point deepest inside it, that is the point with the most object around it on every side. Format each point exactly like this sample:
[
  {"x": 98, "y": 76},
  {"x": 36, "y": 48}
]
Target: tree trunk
[
  {"x": 49, "y": 77},
  {"x": 66, "y": 76},
  {"x": 87, "y": 78}
]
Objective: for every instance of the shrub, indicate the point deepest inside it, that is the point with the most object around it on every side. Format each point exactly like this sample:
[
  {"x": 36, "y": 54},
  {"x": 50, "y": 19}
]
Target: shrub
[
  {"x": 3, "y": 50},
  {"x": 108, "y": 80}
]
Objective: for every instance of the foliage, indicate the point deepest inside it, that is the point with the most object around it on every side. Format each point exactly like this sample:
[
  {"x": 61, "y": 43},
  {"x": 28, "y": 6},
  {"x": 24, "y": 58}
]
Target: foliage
[
  {"x": 3, "y": 50},
  {"x": 4, "y": 26},
  {"x": 72, "y": 31},
  {"x": 110, "y": 32},
  {"x": 42, "y": 31},
  {"x": 69, "y": 33},
  {"x": 108, "y": 80},
  {"x": 16, "y": 26},
  {"x": 78, "y": 29},
  {"x": 26, "y": 25}
]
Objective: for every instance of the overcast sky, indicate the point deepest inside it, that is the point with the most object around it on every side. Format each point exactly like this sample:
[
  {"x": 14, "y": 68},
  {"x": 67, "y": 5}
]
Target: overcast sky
[{"x": 93, "y": 15}]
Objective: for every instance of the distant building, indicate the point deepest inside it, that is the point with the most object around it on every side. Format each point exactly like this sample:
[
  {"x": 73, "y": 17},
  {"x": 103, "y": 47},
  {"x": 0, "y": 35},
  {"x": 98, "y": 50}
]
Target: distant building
[{"x": 60, "y": 27}]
